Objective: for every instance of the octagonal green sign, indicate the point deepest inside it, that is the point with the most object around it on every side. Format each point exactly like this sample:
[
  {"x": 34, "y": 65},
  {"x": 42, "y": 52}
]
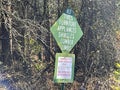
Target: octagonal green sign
[{"x": 66, "y": 31}]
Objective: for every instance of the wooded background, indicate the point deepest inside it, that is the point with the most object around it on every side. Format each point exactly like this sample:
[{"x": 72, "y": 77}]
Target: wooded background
[{"x": 27, "y": 47}]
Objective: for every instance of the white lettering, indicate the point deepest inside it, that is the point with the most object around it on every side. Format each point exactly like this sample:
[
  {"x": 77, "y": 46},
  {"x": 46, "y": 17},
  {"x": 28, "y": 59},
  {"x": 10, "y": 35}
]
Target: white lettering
[
  {"x": 67, "y": 23},
  {"x": 61, "y": 28},
  {"x": 68, "y": 17},
  {"x": 67, "y": 42},
  {"x": 66, "y": 35}
]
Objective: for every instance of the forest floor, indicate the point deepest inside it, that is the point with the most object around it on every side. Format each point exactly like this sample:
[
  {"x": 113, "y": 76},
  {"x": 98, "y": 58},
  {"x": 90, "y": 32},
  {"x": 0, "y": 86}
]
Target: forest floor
[
  {"x": 19, "y": 80},
  {"x": 12, "y": 80}
]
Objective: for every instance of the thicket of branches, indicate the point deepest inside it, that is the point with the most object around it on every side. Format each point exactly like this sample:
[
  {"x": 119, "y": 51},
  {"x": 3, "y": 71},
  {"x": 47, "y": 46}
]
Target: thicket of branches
[{"x": 26, "y": 43}]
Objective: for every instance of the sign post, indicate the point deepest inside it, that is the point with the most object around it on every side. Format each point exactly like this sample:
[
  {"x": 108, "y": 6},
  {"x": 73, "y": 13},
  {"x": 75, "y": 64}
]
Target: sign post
[
  {"x": 67, "y": 33},
  {"x": 62, "y": 86}
]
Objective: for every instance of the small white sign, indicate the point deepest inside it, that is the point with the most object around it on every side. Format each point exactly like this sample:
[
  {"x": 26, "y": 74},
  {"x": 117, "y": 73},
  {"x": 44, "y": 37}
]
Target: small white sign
[{"x": 64, "y": 69}]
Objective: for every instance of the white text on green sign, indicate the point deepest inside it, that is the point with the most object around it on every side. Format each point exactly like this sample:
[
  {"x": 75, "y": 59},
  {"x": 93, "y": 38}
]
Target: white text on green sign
[{"x": 66, "y": 32}]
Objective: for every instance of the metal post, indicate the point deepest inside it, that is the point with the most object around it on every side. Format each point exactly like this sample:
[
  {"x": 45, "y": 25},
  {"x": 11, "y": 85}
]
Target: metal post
[{"x": 62, "y": 86}]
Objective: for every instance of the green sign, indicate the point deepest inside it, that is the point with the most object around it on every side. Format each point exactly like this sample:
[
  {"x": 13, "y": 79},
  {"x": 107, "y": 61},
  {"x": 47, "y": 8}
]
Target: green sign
[
  {"x": 64, "y": 68},
  {"x": 66, "y": 31}
]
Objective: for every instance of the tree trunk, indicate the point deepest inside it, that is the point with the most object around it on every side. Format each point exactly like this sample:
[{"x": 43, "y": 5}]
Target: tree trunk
[
  {"x": 6, "y": 33},
  {"x": 45, "y": 54}
]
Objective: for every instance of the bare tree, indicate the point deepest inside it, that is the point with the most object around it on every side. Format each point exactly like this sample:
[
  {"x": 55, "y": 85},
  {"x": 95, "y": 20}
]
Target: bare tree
[{"x": 6, "y": 23}]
